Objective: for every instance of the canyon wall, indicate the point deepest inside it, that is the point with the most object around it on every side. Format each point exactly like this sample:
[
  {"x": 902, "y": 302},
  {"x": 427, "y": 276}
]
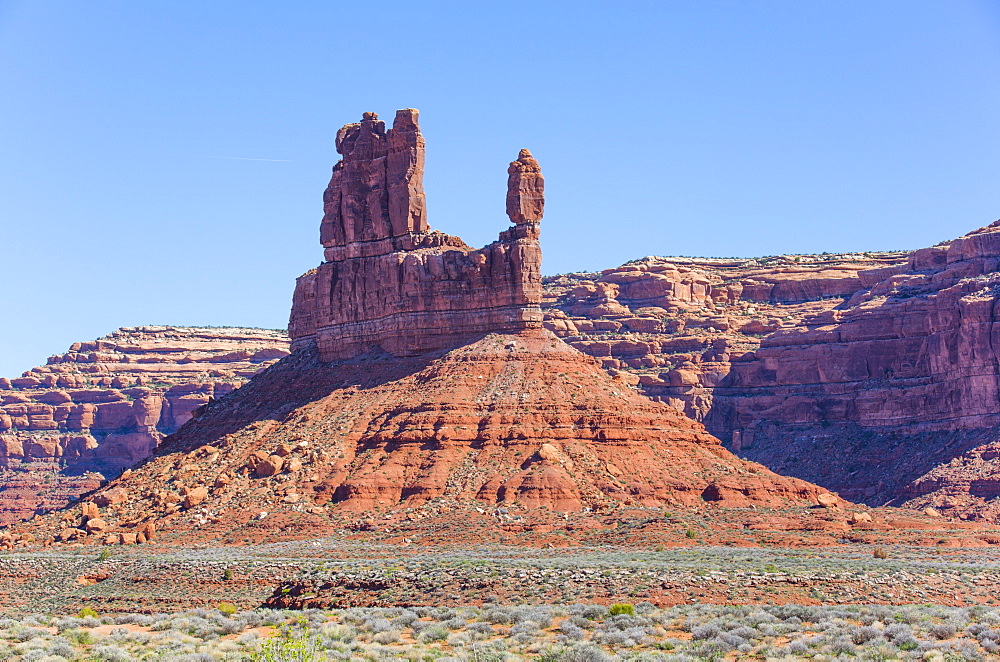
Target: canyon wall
[{"x": 390, "y": 282}]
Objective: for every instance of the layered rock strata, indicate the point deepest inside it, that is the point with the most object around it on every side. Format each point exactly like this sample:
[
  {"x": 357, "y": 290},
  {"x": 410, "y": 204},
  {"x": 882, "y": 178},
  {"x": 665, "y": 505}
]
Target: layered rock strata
[
  {"x": 421, "y": 374},
  {"x": 104, "y": 405},
  {"x": 859, "y": 372},
  {"x": 390, "y": 282}
]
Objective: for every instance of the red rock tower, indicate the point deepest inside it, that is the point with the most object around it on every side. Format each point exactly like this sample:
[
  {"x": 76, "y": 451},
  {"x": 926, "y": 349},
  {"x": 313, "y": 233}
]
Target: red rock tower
[
  {"x": 388, "y": 281},
  {"x": 525, "y": 190}
]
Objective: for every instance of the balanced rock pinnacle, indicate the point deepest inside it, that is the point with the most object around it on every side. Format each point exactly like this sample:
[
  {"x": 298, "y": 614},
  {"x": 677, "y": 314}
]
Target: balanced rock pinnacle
[{"x": 525, "y": 189}]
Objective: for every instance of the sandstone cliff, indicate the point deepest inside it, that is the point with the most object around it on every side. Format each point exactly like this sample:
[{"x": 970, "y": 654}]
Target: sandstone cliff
[
  {"x": 859, "y": 372},
  {"x": 105, "y": 404}
]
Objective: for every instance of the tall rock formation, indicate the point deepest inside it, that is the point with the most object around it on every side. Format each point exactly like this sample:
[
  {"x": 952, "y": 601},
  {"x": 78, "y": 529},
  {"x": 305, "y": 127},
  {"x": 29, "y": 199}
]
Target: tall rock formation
[
  {"x": 390, "y": 282},
  {"x": 421, "y": 377},
  {"x": 525, "y": 190}
]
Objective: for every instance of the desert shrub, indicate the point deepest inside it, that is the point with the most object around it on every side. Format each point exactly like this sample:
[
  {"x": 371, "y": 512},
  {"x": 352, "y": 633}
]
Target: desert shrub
[
  {"x": 522, "y": 639},
  {"x": 480, "y": 630},
  {"x": 87, "y": 611},
  {"x": 377, "y": 625},
  {"x": 249, "y": 619},
  {"x": 291, "y": 648},
  {"x": 704, "y": 631},
  {"x": 21, "y": 633},
  {"x": 842, "y": 645},
  {"x": 580, "y": 653},
  {"x": 459, "y": 639},
  {"x": 896, "y": 630},
  {"x": 863, "y": 634},
  {"x": 880, "y": 553},
  {"x": 942, "y": 631},
  {"x": 433, "y": 633},
  {"x": 745, "y": 632},
  {"x": 110, "y": 654},
  {"x": 525, "y": 627},
  {"x": 798, "y": 648},
  {"x": 572, "y": 631},
  {"x": 594, "y": 612},
  {"x": 538, "y": 615},
  {"x": 731, "y": 640},
  {"x": 622, "y": 608},
  {"x": 226, "y": 608},
  {"x": 271, "y": 618},
  {"x": 497, "y": 616},
  {"x": 442, "y": 613},
  {"x": 711, "y": 650},
  {"x": 144, "y": 620},
  {"x": 386, "y": 637},
  {"x": 354, "y": 616},
  {"x": 404, "y": 619},
  {"x": 456, "y": 623},
  {"x": 644, "y": 608},
  {"x": 341, "y": 633}
]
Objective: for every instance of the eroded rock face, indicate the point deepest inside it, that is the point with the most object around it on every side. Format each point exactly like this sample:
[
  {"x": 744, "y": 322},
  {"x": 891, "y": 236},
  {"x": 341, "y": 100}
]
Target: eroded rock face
[
  {"x": 859, "y": 372},
  {"x": 104, "y": 405},
  {"x": 421, "y": 374},
  {"x": 389, "y": 282}
]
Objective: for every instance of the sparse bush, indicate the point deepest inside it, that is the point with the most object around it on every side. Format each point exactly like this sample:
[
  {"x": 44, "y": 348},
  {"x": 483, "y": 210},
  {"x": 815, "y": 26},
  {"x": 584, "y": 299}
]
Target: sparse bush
[
  {"x": 863, "y": 634},
  {"x": 880, "y": 553},
  {"x": 622, "y": 608},
  {"x": 704, "y": 631},
  {"x": 433, "y": 633},
  {"x": 572, "y": 632},
  {"x": 111, "y": 654},
  {"x": 942, "y": 631}
]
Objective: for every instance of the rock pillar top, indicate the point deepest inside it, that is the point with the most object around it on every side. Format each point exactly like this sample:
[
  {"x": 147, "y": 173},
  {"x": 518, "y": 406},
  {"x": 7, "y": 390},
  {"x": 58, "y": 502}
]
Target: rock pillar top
[{"x": 525, "y": 190}]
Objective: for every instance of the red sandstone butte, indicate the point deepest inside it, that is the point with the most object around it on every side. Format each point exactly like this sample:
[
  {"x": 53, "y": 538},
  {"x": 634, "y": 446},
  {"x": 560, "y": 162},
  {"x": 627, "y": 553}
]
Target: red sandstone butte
[{"x": 421, "y": 375}]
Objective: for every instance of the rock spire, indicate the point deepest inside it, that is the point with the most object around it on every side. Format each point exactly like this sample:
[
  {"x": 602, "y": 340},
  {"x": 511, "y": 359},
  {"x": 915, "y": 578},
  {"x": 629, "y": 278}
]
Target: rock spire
[
  {"x": 377, "y": 189},
  {"x": 388, "y": 281},
  {"x": 525, "y": 190}
]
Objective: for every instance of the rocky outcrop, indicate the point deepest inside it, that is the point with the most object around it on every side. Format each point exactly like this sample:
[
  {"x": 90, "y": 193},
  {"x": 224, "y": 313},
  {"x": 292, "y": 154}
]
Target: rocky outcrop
[
  {"x": 390, "y": 282},
  {"x": 859, "y": 372},
  {"x": 421, "y": 375},
  {"x": 105, "y": 404}
]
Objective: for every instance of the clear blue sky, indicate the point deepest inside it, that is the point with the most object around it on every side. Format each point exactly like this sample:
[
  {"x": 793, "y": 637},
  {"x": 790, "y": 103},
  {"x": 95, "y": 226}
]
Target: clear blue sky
[{"x": 663, "y": 127}]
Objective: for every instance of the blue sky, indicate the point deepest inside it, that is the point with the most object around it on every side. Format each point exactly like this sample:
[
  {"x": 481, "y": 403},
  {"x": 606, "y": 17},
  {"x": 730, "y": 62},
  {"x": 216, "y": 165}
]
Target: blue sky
[{"x": 670, "y": 127}]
